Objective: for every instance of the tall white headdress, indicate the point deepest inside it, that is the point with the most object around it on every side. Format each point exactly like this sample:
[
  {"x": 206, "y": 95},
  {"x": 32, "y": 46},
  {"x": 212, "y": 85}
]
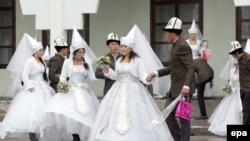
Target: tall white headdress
[
  {"x": 77, "y": 43},
  {"x": 144, "y": 50},
  {"x": 46, "y": 55},
  {"x": 24, "y": 50},
  {"x": 247, "y": 47},
  {"x": 128, "y": 41},
  {"x": 195, "y": 29}
]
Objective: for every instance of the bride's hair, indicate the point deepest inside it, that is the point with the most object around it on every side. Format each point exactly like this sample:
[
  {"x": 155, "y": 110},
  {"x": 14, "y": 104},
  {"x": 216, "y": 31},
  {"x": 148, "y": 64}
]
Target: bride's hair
[
  {"x": 44, "y": 73},
  {"x": 85, "y": 64},
  {"x": 132, "y": 55}
]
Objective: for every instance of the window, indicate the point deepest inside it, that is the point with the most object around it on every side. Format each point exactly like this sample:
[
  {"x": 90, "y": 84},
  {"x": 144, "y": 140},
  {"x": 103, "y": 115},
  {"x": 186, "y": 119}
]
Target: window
[
  {"x": 84, "y": 33},
  {"x": 162, "y": 11},
  {"x": 7, "y": 31},
  {"x": 243, "y": 24}
]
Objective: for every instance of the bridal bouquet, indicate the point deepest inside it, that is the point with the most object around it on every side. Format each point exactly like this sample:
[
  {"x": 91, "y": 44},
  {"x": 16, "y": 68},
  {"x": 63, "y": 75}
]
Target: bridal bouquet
[
  {"x": 63, "y": 86},
  {"x": 103, "y": 61},
  {"x": 227, "y": 89}
]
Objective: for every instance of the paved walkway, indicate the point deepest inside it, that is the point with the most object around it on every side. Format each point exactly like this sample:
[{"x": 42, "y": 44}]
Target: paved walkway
[{"x": 199, "y": 127}]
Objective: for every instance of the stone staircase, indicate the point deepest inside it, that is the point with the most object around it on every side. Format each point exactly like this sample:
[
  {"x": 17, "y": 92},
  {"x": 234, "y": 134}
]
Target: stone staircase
[{"x": 199, "y": 127}]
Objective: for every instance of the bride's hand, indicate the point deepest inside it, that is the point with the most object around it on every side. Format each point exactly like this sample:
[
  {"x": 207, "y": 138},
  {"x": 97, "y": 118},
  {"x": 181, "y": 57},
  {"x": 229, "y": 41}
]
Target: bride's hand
[
  {"x": 31, "y": 89},
  {"x": 105, "y": 70}
]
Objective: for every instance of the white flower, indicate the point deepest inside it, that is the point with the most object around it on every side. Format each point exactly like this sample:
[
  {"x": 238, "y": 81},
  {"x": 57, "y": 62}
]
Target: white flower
[
  {"x": 103, "y": 60},
  {"x": 63, "y": 86},
  {"x": 227, "y": 89}
]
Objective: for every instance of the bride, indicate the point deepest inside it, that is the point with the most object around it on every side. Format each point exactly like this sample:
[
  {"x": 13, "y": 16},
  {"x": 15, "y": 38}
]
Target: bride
[
  {"x": 72, "y": 113},
  {"x": 229, "y": 111},
  {"x": 128, "y": 107},
  {"x": 23, "y": 116}
]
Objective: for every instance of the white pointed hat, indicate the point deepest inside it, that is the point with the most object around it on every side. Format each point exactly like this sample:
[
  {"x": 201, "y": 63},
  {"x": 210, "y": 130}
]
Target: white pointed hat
[
  {"x": 146, "y": 53},
  {"x": 247, "y": 47},
  {"x": 35, "y": 46},
  {"x": 78, "y": 42},
  {"x": 195, "y": 29},
  {"x": 128, "y": 41},
  {"x": 46, "y": 55},
  {"x": 24, "y": 50}
]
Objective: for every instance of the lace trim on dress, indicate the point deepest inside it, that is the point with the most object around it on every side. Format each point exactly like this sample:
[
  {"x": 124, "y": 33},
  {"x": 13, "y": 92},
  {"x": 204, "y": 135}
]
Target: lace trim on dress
[{"x": 122, "y": 119}]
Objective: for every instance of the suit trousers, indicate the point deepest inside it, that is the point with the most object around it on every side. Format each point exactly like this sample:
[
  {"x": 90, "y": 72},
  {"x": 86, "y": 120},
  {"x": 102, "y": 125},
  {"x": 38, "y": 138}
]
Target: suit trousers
[
  {"x": 200, "y": 96},
  {"x": 245, "y": 98},
  {"x": 179, "y": 128}
]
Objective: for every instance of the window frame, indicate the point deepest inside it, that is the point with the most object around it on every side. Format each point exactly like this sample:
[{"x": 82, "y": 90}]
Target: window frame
[
  {"x": 176, "y": 3},
  {"x": 13, "y": 27},
  {"x": 238, "y": 24}
]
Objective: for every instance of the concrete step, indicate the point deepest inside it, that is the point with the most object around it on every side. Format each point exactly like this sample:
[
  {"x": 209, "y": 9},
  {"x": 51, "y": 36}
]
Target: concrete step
[{"x": 199, "y": 127}]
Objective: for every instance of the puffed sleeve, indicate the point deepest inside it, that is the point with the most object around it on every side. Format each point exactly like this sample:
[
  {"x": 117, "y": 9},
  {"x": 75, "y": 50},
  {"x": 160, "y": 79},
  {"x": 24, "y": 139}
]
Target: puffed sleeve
[
  {"x": 64, "y": 73},
  {"x": 91, "y": 73},
  {"x": 142, "y": 72},
  {"x": 111, "y": 74},
  {"x": 25, "y": 75}
]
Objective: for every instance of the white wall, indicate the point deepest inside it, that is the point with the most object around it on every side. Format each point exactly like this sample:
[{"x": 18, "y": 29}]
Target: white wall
[
  {"x": 219, "y": 29},
  {"x": 23, "y": 24}
]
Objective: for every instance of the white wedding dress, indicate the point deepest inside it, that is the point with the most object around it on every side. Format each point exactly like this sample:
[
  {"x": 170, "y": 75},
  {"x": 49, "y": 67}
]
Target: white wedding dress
[
  {"x": 23, "y": 115},
  {"x": 229, "y": 111},
  {"x": 72, "y": 112},
  {"x": 128, "y": 108}
]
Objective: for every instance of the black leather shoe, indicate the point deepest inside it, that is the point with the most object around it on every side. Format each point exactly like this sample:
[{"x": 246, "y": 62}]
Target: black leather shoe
[{"x": 201, "y": 118}]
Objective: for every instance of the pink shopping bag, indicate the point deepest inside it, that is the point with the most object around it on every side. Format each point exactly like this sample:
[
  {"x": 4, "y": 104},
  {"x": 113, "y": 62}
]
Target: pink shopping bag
[{"x": 184, "y": 110}]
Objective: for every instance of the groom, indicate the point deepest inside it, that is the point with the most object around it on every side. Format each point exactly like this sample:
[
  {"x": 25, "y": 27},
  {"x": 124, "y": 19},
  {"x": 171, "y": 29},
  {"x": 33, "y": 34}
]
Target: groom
[
  {"x": 113, "y": 43},
  {"x": 56, "y": 62},
  {"x": 181, "y": 68}
]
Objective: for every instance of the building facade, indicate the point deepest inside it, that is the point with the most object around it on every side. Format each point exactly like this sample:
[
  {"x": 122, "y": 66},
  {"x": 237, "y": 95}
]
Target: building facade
[{"x": 219, "y": 21}]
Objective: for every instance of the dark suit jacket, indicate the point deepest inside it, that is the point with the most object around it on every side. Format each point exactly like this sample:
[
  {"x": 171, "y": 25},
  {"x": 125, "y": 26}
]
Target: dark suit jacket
[
  {"x": 181, "y": 68},
  {"x": 99, "y": 74},
  {"x": 203, "y": 70},
  {"x": 244, "y": 73},
  {"x": 55, "y": 67}
]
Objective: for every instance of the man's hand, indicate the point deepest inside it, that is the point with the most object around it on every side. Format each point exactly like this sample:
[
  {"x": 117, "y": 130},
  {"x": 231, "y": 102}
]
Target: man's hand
[
  {"x": 211, "y": 85},
  {"x": 184, "y": 92}
]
